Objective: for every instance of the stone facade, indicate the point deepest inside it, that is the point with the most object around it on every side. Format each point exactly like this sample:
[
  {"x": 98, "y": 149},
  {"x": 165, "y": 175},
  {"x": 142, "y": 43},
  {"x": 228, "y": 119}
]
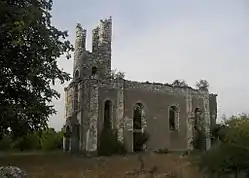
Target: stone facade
[{"x": 165, "y": 112}]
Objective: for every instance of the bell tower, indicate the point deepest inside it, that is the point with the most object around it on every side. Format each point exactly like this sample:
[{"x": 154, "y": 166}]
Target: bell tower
[
  {"x": 97, "y": 63},
  {"x": 101, "y": 48}
]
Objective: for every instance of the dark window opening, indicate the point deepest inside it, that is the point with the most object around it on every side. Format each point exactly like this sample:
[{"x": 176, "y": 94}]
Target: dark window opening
[
  {"x": 197, "y": 110},
  {"x": 68, "y": 131},
  {"x": 76, "y": 98},
  {"x": 77, "y": 74},
  {"x": 94, "y": 70},
  {"x": 138, "y": 137},
  {"x": 197, "y": 117},
  {"x": 137, "y": 117},
  {"x": 172, "y": 118},
  {"x": 107, "y": 114},
  {"x": 77, "y": 127},
  {"x": 67, "y": 138},
  {"x": 197, "y": 113}
]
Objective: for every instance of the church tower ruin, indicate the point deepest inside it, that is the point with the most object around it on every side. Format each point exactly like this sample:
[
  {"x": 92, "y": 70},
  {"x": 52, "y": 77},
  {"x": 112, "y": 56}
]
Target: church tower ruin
[
  {"x": 95, "y": 99},
  {"x": 90, "y": 70}
]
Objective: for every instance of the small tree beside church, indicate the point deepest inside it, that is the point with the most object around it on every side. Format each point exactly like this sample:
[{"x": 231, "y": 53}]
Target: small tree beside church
[
  {"x": 231, "y": 155},
  {"x": 109, "y": 143},
  {"x": 179, "y": 83},
  {"x": 202, "y": 85}
]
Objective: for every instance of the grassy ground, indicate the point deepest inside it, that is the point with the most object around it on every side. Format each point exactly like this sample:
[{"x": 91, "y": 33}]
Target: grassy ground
[{"x": 59, "y": 165}]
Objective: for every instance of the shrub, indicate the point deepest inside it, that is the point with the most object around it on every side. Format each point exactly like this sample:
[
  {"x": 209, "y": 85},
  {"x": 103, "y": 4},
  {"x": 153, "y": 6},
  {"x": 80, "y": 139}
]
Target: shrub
[
  {"x": 47, "y": 139},
  {"x": 51, "y": 140},
  {"x": 141, "y": 138},
  {"x": 109, "y": 144},
  {"x": 28, "y": 142},
  {"x": 230, "y": 156},
  {"x": 5, "y": 143},
  {"x": 199, "y": 140},
  {"x": 162, "y": 151}
]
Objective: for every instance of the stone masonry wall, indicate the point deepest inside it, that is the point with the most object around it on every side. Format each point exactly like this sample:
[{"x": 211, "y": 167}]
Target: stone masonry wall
[
  {"x": 101, "y": 48},
  {"x": 85, "y": 104},
  {"x": 93, "y": 118},
  {"x": 163, "y": 88},
  {"x": 68, "y": 101},
  {"x": 89, "y": 85},
  {"x": 120, "y": 110},
  {"x": 207, "y": 120},
  {"x": 80, "y": 47},
  {"x": 189, "y": 120},
  {"x": 213, "y": 109}
]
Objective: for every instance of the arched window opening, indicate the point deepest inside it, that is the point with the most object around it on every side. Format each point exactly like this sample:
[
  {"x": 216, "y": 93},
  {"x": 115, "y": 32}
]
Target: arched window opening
[
  {"x": 173, "y": 118},
  {"x": 67, "y": 138},
  {"x": 137, "y": 116},
  {"x": 139, "y": 139},
  {"x": 67, "y": 131},
  {"x": 77, "y": 74},
  {"x": 94, "y": 70},
  {"x": 108, "y": 114},
  {"x": 197, "y": 117},
  {"x": 197, "y": 111},
  {"x": 77, "y": 128},
  {"x": 76, "y": 98}
]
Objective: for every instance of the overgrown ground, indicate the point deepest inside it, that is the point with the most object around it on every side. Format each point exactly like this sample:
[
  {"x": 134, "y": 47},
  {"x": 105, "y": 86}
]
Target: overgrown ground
[{"x": 59, "y": 165}]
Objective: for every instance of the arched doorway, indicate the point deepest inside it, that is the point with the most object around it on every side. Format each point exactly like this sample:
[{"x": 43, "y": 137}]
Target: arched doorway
[
  {"x": 75, "y": 138},
  {"x": 173, "y": 118},
  {"x": 105, "y": 141},
  {"x": 197, "y": 119},
  {"x": 108, "y": 114},
  {"x": 199, "y": 131},
  {"x": 77, "y": 74},
  {"x": 67, "y": 138},
  {"x": 138, "y": 124}
]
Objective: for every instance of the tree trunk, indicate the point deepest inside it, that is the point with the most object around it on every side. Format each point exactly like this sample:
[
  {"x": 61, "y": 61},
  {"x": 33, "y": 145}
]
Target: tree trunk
[{"x": 236, "y": 174}]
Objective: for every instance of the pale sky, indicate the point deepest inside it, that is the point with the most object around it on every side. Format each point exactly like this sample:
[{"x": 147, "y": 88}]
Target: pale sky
[{"x": 164, "y": 40}]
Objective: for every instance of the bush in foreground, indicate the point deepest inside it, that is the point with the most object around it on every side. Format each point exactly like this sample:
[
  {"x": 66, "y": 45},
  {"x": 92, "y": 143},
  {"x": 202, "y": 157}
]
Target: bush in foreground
[
  {"x": 46, "y": 140},
  {"x": 109, "y": 144},
  {"x": 231, "y": 155}
]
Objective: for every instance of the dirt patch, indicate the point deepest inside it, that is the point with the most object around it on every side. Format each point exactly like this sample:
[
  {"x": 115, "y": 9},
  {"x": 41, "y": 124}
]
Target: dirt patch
[{"x": 59, "y": 165}]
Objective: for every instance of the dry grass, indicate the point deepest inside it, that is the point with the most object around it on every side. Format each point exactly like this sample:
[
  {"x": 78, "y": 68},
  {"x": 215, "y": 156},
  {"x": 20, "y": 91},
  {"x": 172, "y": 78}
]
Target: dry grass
[{"x": 59, "y": 165}]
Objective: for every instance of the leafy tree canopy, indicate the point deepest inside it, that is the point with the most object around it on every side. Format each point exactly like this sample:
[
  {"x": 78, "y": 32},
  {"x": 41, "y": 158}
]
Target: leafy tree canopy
[
  {"x": 179, "y": 83},
  {"x": 29, "y": 48},
  {"x": 202, "y": 85},
  {"x": 231, "y": 155}
]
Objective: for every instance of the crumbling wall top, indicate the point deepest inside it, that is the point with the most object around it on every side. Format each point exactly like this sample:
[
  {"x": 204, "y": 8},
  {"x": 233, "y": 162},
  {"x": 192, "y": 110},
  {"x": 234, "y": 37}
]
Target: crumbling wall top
[
  {"x": 80, "y": 37},
  {"x": 163, "y": 88}
]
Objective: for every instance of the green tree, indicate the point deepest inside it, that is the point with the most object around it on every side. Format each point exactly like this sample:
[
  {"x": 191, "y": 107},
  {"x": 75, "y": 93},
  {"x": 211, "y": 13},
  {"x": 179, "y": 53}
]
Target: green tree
[
  {"x": 202, "y": 85},
  {"x": 5, "y": 143},
  {"x": 51, "y": 140},
  {"x": 30, "y": 141},
  {"x": 179, "y": 83},
  {"x": 218, "y": 132},
  {"x": 117, "y": 74},
  {"x": 231, "y": 156},
  {"x": 29, "y": 48},
  {"x": 109, "y": 143}
]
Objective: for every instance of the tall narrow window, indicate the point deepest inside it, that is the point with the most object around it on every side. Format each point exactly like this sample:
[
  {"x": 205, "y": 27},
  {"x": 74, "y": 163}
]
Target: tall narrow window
[
  {"x": 108, "y": 114},
  {"x": 137, "y": 116},
  {"x": 173, "y": 118},
  {"x": 94, "y": 70},
  {"x": 77, "y": 74},
  {"x": 67, "y": 138},
  {"x": 197, "y": 118},
  {"x": 76, "y": 98},
  {"x": 77, "y": 127},
  {"x": 138, "y": 126}
]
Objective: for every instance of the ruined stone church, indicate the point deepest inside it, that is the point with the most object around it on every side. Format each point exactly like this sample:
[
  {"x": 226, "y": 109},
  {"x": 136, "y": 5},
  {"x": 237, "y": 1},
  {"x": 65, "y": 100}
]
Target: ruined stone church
[{"x": 95, "y": 97}]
